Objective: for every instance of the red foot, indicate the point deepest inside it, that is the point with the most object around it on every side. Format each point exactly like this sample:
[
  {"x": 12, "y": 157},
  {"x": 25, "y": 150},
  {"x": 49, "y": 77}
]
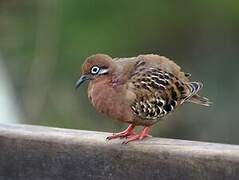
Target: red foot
[
  {"x": 140, "y": 135},
  {"x": 127, "y": 132}
]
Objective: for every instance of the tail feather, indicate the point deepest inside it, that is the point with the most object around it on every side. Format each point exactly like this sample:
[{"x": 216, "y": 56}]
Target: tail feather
[
  {"x": 199, "y": 100},
  {"x": 194, "y": 87},
  {"x": 194, "y": 97}
]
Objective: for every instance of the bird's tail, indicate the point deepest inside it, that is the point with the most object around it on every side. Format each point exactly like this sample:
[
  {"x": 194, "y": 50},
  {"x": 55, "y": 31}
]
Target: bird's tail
[
  {"x": 194, "y": 97},
  {"x": 199, "y": 100}
]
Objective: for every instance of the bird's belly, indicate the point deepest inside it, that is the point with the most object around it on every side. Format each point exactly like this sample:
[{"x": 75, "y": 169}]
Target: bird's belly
[{"x": 110, "y": 102}]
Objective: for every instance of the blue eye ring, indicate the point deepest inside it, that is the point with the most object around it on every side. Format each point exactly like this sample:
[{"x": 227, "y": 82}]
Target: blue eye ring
[{"x": 94, "y": 70}]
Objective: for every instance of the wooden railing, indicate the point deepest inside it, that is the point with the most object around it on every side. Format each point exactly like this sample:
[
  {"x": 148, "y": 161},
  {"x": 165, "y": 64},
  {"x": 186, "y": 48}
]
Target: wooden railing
[{"x": 35, "y": 152}]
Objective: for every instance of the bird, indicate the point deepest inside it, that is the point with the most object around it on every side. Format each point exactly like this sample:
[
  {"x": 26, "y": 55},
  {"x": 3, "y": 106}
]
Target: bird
[{"x": 140, "y": 90}]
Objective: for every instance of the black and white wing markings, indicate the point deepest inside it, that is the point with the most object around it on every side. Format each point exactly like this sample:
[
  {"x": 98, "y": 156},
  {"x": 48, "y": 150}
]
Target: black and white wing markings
[
  {"x": 149, "y": 109},
  {"x": 150, "y": 79},
  {"x": 163, "y": 93}
]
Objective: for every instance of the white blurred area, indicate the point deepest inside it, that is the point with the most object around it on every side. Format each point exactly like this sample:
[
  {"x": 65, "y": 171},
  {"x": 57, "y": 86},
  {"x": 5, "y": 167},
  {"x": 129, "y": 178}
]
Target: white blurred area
[{"x": 9, "y": 110}]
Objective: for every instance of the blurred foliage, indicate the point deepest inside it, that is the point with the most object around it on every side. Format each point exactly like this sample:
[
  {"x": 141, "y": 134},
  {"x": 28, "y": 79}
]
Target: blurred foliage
[{"x": 45, "y": 42}]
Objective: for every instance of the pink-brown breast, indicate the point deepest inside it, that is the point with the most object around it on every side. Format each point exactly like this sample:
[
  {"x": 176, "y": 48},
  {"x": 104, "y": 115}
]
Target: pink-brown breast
[{"x": 109, "y": 100}]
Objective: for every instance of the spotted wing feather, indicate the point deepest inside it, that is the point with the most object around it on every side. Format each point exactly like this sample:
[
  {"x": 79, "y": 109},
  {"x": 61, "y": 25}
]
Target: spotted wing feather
[{"x": 158, "y": 92}]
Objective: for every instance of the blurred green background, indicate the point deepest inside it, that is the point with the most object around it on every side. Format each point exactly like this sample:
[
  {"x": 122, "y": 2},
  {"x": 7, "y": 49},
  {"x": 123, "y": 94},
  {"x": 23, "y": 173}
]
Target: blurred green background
[{"x": 44, "y": 42}]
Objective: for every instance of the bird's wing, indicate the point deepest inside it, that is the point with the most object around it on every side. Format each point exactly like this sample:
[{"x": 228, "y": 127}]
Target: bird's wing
[
  {"x": 150, "y": 60},
  {"x": 165, "y": 64},
  {"x": 159, "y": 88}
]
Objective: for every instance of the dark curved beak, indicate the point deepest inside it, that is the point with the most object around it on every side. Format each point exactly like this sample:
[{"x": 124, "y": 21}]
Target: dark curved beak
[{"x": 81, "y": 80}]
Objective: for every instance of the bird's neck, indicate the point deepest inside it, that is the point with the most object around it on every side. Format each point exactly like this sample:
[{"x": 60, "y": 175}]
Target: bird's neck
[
  {"x": 111, "y": 80},
  {"x": 104, "y": 80},
  {"x": 107, "y": 97}
]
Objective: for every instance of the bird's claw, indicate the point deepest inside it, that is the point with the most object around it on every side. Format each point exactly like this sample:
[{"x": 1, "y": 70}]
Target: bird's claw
[
  {"x": 122, "y": 134},
  {"x": 119, "y": 135},
  {"x": 135, "y": 137},
  {"x": 139, "y": 136}
]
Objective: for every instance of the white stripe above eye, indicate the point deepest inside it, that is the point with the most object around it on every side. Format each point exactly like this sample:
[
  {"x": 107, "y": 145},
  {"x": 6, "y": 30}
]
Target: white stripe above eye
[{"x": 103, "y": 71}]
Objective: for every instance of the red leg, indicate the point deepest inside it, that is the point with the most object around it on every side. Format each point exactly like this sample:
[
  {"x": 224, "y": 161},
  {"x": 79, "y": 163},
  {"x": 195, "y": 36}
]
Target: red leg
[
  {"x": 138, "y": 136},
  {"x": 125, "y": 133}
]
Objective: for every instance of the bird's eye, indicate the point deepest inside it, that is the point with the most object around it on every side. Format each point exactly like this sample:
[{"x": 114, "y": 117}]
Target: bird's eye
[{"x": 95, "y": 70}]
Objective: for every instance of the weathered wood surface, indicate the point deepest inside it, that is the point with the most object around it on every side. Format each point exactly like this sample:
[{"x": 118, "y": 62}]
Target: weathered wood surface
[{"x": 35, "y": 152}]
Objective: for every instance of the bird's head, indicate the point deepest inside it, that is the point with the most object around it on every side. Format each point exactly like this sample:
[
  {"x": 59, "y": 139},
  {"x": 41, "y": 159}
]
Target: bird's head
[{"x": 94, "y": 67}]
